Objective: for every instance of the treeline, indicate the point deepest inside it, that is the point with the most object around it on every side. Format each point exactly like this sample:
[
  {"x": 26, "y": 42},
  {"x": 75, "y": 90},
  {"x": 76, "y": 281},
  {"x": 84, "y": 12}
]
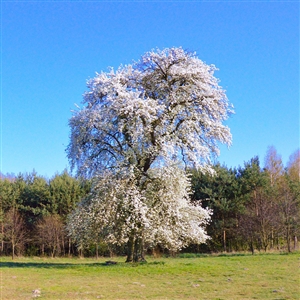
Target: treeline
[
  {"x": 34, "y": 213},
  {"x": 254, "y": 208}
]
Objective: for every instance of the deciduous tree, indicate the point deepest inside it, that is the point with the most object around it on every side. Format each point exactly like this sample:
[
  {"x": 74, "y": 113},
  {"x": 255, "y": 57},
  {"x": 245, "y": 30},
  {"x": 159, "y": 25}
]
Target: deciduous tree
[
  {"x": 164, "y": 108},
  {"x": 289, "y": 201},
  {"x": 15, "y": 232},
  {"x": 50, "y": 234}
]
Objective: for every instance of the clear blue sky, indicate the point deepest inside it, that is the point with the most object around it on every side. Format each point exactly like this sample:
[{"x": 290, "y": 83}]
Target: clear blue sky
[{"x": 50, "y": 48}]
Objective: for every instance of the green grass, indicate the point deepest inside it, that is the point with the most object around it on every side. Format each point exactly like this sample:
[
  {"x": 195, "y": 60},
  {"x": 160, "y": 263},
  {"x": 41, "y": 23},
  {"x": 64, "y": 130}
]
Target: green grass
[{"x": 264, "y": 276}]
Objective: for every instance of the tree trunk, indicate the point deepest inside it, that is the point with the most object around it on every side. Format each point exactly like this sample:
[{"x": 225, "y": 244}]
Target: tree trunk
[
  {"x": 252, "y": 246},
  {"x": 224, "y": 240},
  {"x": 130, "y": 248},
  {"x": 13, "y": 251},
  {"x": 139, "y": 250},
  {"x": 135, "y": 251},
  {"x": 69, "y": 250},
  {"x": 288, "y": 238},
  {"x": 142, "y": 251},
  {"x": 272, "y": 239},
  {"x": 63, "y": 246},
  {"x": 80, "y": 249},
  {"x": 53, "y": 251},
  {"x": 2, "y": 235},
  {"x": 97, "y": 251}
]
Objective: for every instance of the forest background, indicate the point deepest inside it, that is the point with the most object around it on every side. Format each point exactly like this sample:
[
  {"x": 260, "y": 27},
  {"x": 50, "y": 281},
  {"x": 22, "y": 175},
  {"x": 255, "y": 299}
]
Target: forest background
[{"x": 254, "y": 208}]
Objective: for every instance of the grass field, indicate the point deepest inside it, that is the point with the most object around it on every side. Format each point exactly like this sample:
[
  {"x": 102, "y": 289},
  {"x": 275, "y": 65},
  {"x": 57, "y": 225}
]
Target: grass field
[{"x": 262, "y": 276}]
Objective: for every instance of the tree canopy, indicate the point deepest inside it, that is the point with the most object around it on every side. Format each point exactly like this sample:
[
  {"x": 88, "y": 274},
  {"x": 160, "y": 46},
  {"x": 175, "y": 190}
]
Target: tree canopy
[
  {"x": 137, "y": 124},
  {"x": 166, "y": 106}
]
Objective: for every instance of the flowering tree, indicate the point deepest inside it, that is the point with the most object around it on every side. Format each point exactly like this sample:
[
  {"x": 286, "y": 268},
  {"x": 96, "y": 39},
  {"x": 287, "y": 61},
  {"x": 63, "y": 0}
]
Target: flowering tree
[{"x": 137, "y": 122}]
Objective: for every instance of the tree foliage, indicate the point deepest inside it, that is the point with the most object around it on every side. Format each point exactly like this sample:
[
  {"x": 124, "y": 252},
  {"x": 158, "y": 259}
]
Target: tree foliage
[
  {"x": 137, "y": 123},
  {"x": 118, "y": 212},
  {"x": 29, "y": 202},
  {"x": 166, "y": 106}
]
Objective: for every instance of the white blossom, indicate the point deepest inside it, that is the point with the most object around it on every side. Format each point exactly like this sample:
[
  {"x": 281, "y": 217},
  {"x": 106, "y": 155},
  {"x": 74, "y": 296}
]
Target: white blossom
[{"x": 137, "y": 122}]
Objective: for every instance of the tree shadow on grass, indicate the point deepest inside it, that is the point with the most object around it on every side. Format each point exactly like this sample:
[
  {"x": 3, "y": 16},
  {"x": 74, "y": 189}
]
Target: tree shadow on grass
[{"x": 47, "y": 265}]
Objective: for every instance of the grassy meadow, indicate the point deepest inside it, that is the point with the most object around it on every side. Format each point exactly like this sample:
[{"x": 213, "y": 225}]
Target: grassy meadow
[{"x": 235, "y": 276}]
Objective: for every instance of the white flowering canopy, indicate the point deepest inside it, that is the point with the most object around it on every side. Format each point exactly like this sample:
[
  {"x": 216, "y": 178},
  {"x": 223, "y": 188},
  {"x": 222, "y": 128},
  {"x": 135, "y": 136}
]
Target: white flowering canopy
[
  {"x": 166, "y": 106},
  {"x": 136, "y": 124},
  {"x": 161, "y": 213}
]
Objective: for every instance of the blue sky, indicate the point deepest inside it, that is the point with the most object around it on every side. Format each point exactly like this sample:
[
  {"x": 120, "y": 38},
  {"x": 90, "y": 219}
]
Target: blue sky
[{"x": 50, "y": 48}]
